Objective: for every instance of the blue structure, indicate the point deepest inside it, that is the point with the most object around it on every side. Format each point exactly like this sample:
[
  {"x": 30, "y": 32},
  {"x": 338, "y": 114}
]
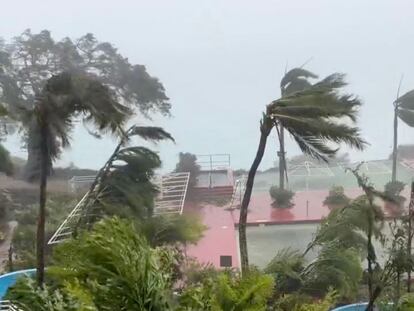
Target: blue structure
[{"x": 9, "y": 279}]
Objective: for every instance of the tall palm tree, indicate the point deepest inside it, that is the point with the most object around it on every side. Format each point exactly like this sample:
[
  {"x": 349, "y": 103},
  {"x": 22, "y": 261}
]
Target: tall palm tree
[
  {"x": 403, "y": 109},
  {"x": 125, "y": 179},
  {"x": 296, "y": 79},
  {"x": 64, "y": 98},
  {"x": 312, "y": 117}
]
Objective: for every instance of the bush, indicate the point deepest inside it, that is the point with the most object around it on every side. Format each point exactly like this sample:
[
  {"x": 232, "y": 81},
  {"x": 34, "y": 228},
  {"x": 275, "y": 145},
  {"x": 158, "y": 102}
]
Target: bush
[
  {"x": 187, "y": 162},
  {"x": 336, "y": 196},
  {"x": 282, "y": 197}
]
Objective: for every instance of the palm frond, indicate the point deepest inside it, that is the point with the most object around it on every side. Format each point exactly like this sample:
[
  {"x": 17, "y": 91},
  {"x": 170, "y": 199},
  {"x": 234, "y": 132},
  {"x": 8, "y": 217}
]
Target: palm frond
[
  {"x": 149, "y": 133},
  {"x": 406, "y": 115},
  {"x": 296, "y": 76},
  {"x": 406, "y": 101}
]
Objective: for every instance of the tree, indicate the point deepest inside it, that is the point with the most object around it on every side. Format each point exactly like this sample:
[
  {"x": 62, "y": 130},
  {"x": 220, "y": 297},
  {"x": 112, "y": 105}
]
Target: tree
[
  {"x": 187, "y": 162},
  {"x": 293, "y": 81},
  {"x": 111, "y": 267},
  {"x": 311, "y": 117},
  {"x": 123, "y": 186},
  {"x": 403, "y": 109},
  {"x": 30, "y": 60}
]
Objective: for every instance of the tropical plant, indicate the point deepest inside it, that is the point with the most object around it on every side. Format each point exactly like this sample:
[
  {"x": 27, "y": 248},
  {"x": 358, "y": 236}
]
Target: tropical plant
[
  {"x": 62, "y": 99},
  {"x": 229, "y": 293},
  {"x": 117, "y": 267},
  {"x": 172, "y": 229},
  {"x": 301, "y": 302},
  {"x": 282, "y": 197},
  {"x": 312, "y": 117},
  {"x": 31, "y": 59},
  {"x": 123, "y": 186},
  {"x": 404, "y": 110},
  {"x": 286, "y": 267},
  {"x": 336, "y": 197},
  {"x": 28, "y": 296},
  {"x": 336, "y": 268},
  {"x": 295, "y": 80},
  {"x": 6, "y": 164}
]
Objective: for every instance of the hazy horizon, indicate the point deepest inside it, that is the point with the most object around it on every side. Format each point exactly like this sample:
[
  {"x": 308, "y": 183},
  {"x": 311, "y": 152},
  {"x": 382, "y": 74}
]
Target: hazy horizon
[{"x": 221, "y": 62}]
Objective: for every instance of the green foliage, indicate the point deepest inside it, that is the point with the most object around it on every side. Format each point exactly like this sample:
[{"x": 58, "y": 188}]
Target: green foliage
[
  {"x": 300, "y": 302},
  {"x": 171, "y": 229},
  {"x": 227, "y": 293},
  {"x": 30, "y": 297},
  {"x": 282, "y": 197},
  {"x": 117, "y": 267},
  {"x": 308, "y": 115},
  {"x": 406, "y": 303},
  {"x": 24, "y": 235},
  {"x": 336, "y": 197},
  {"x": 286, "y": 267},
  {"x": 348, "y": 227},
  {"x": 187, "y": 162},
  {"x": 84, "y": 77},
  {"x": 6, "y": 164},
  {"x": 334, "y": 268}
]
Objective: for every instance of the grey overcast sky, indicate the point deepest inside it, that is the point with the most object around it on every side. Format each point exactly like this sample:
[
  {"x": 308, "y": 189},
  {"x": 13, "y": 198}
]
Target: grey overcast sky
[{"x": 221, "y": 62}]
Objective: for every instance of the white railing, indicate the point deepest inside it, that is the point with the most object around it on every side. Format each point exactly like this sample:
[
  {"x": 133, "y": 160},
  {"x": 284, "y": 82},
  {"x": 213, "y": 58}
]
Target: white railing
[
  {"x": 77, "y": 181},
  {"x": 170, "y": 200},
  {"x": 173, "y": 190},
  {"x": 238, "y": 192},
  {"x": 7, "y": 305}
]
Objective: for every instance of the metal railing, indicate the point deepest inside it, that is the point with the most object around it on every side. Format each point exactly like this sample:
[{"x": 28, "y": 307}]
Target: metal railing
[
  {"x": 7, "y": 305},
  {"x": 238, "y": 192},
  {"x": 210, "y": 162},
  {"x": 170, "y": 200}
]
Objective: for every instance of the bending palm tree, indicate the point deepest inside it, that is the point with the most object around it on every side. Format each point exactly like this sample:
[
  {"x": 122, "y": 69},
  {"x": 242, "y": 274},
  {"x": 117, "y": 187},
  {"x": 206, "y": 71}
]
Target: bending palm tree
[
  {"x": 403, "y": 109},
  {"x": 64, "y": 98},
  {"x": 311, "y": 117},
  {"x": 293, "y": 81}
]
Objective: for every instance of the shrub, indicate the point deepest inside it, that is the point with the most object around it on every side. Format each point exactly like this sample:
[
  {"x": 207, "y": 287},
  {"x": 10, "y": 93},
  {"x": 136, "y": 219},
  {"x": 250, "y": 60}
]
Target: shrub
[
  {"x": 282, "y": 197},
  {"x": 336, "y": 196}
]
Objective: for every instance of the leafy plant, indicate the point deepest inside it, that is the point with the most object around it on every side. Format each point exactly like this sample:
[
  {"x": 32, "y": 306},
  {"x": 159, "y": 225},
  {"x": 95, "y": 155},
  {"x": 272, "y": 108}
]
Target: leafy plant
[
  {"x": 187, "y": 162},
  {"x": 286, "y": 267},
  {"x": 29, "y": 296},
  {"x": 336, "y": 197},
  {"x": 227, "y": 293},
  {"x": 282, "y": 197},
  {"x": 116, "y": 265}
]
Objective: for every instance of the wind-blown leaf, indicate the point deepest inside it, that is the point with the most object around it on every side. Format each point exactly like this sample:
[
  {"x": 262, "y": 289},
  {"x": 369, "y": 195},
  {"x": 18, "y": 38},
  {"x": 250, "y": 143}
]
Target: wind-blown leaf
[
  {"x": 149, "y": 133},
  {"x": 296, "y": 74}
]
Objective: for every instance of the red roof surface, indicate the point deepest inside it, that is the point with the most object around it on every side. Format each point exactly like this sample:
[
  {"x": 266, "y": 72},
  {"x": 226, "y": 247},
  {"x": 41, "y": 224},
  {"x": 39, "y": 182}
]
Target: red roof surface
[{"x": 220, "y": 237}]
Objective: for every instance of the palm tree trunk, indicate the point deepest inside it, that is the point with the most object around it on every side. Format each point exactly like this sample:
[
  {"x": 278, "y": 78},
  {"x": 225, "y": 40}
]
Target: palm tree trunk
[
  {"x": 395, "y": 146},
  {"x": 265, "y": 128},
  {"x": 44, "y": 168},
  {"x": 282, "y": 167}
]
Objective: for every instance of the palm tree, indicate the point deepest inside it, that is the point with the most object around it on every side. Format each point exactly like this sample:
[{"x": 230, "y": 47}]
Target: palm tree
[
  {"x": 293, "y": 81},
  {"x": 125, "y": 179},
  {"x": 64, "y": 98},
  {"x": 403, "y": 109},
  {"x": 311, "y": 117}
]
